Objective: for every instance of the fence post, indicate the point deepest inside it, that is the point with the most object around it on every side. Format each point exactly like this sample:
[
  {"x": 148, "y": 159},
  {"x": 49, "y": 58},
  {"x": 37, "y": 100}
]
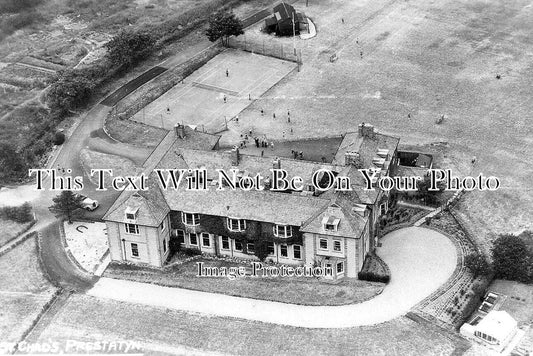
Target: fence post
[{"x": 263, "y": 47}]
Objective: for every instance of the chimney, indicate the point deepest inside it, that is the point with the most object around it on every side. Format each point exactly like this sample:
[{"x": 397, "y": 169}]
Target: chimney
[
  {"x": 366, "y": 130},
  {"x": 353, "y": 158},
  {"x": 276, "y": 164},
  {"x": 180, "y": 130},
  {"x": 235, "y": 156}
]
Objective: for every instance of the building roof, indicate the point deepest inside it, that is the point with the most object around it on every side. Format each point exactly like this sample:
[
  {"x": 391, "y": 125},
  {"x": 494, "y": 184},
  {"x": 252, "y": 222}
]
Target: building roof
[
  {"x": 249, "y": 164},
  {"x": 284, "y": 11},
  {"x": 350, "y": 223},
  {"x": 498, "y": 324},
  {"x": 366, "y": 146},
  {"x": 280, "y": 208},
  {"x": 150, "y": 205}
]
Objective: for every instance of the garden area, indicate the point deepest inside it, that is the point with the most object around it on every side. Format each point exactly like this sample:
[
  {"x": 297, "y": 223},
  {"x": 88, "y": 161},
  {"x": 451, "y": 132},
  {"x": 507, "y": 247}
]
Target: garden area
[
  {"x": 294, "y": 290},
  {"x": 15, "y": 221}
]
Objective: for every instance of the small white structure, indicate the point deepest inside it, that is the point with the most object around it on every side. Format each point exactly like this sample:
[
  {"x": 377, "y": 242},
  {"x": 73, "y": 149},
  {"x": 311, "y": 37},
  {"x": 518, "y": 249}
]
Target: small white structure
[{"x": 495, "y": 330}]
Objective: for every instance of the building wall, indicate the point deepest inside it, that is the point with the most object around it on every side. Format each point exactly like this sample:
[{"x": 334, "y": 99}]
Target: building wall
[{"x": 149, "y": 244}]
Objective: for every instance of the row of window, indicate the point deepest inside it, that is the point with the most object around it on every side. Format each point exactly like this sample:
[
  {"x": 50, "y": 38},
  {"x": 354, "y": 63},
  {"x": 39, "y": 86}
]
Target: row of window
[
  {"x": 236, "y": 225},
  {"x": 237, "y": 245},
  {"x": 134, "y": 228},
  {"x": 324, "y": 245}
]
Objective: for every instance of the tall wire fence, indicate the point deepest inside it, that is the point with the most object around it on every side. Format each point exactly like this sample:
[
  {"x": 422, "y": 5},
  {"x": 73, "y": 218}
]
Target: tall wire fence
[{"x": 267, "y": 48}]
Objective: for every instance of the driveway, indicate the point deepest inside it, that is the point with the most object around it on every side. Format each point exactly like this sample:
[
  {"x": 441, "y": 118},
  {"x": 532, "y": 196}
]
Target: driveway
[{"x": 420, "y": 261}]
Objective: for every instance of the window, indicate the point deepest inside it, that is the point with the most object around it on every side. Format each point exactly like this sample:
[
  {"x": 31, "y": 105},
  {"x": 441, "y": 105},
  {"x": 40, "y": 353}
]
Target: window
[
  {"x": 132, "y": 229},
  {"x": 383, "y": 209},
  {"x": 131, "y": 213},
  {"x": 297, "y": 252},
  {"x": 330, "y": 223},
  {"x": 190, "y": 219},
  {"x": 206, "y": 240},
  {"x": 193, "y": 239},
  {"x": 323, "y": 244},
  {"x": 225, "y": 243},
  {"x": 134, "y": 250},
  {"x": 283, "y": 251},
  {"x": 238, "y": 246},
  {"x": 270, "y": 248},
  {"x": 340, "y": 267},
  {"x": 236, "y": 224},
  {"x": 163, "y": 226},
  {"x": 336, "y": 245},
  {"x": 283, "y": 231},
  {"x": 250, "y": 247},
  {"x": 165, "y": 246},
  {"x": 181, "y": 236}
]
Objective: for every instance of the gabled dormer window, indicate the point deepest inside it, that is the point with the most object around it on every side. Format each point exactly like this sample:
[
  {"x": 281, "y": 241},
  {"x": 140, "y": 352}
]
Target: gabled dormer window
[
  {"x": 131, "y": 213},
  {"x": 236, "y": 225},
  {"x": 330, "y": 223},
  {"x": 283, "y": 231},
  {"x": 191, "y": 219}
]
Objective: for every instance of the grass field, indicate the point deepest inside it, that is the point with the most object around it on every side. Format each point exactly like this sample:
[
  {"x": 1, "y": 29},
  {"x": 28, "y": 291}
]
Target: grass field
[
  {"x": 23, "y": 290},
  {"x": 426, "y": 60},
  {"x": 10, "y": 229},
  {"x": 306, "y": 291},
  {"x": 208, "y": 96},
  {"x": 167, "y": 331}
]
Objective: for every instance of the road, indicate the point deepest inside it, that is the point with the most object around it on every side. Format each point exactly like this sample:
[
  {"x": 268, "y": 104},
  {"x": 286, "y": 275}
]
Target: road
[
  {"x": 420, "y": 261},
  {"x": 57, "y": 264}
]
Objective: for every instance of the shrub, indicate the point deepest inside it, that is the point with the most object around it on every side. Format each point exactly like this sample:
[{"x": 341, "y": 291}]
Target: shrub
[
  {"x": 477, "y": 265},
  {"x": 512, "y": 260},
  {"x": 373, "y": 277},
  {"x": 59, "y": 138},
  {"x": 21, "y": 214},
  {"x": 191, "y": 252}
]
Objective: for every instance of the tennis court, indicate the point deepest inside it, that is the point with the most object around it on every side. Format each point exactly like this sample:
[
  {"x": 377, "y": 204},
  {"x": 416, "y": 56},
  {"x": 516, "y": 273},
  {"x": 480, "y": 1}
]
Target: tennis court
[{"x": 217, "y": 92}]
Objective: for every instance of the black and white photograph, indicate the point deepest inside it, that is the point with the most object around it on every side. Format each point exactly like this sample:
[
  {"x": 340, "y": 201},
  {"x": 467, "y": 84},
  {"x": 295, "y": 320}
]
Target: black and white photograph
[{"x": 266, "y": 177}]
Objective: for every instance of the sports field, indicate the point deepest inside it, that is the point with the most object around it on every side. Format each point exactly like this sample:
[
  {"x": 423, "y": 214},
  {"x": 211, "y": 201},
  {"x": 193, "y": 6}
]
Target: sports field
[
  {"x": 217, "y": 92},
  {"x": 403, "y": 64}
]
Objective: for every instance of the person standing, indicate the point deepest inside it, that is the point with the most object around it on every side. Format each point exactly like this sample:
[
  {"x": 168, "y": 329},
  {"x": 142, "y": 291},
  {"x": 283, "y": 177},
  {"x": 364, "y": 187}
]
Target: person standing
[{"x": 227, "y": 73}]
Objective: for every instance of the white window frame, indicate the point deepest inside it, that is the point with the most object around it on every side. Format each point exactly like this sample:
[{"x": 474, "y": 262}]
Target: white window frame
[
  {"x": 320, "y": 245},
  {"x": 195, "y": 218},
  {"x": 163, "y": 226},
  {"x": 205, "y": 235},
  {"x": 340, "y": 245},
  {"x": 241, "y": 224},
  {"x": 341, "y": 263},
  {"x": 273, "y": 252},
  {"x": 138, "y": 255},
  {"x": 225, "y": 239},
  {"x": 299, "y": 251},
  {"x": 133, "y": 212},
  {"x": 182, "y": 237},
  {"x": 190, "y": 241},
  {"x": 128, "y": 226},
  {"x": 165, "y": 245},
  {"x": 282, "y": 231},
  {"x": 286, "y": 250},
  {"x": 248, "y": 250}
]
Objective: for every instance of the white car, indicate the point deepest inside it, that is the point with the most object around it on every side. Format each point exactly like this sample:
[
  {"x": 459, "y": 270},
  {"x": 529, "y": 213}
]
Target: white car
[{"x": 88, "y": 203}]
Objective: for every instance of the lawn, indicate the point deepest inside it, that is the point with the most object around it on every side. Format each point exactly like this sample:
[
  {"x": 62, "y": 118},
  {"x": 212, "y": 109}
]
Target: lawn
[
  {"x": 302, "y": 290},
  {"x": 11, "y": 229},
  {"x": 160, "y": 330},
  {"x": 24, "y": 290},
  {"x": 423, "y": 59}
]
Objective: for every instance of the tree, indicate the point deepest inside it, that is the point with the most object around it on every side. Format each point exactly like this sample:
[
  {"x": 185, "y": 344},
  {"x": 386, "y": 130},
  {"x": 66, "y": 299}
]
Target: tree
[
  {"x": 430, "y": 197},
  {"x": 511, "y": 258},
  {"x": 477, "y": 264},
  {"x": 70, "y": 91},
  {"x": 67, "y": 204},
  {"x": 12, "y": 165},
  {"x": 128, "y": 47},
  {"x": 222, "y": 25}
]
